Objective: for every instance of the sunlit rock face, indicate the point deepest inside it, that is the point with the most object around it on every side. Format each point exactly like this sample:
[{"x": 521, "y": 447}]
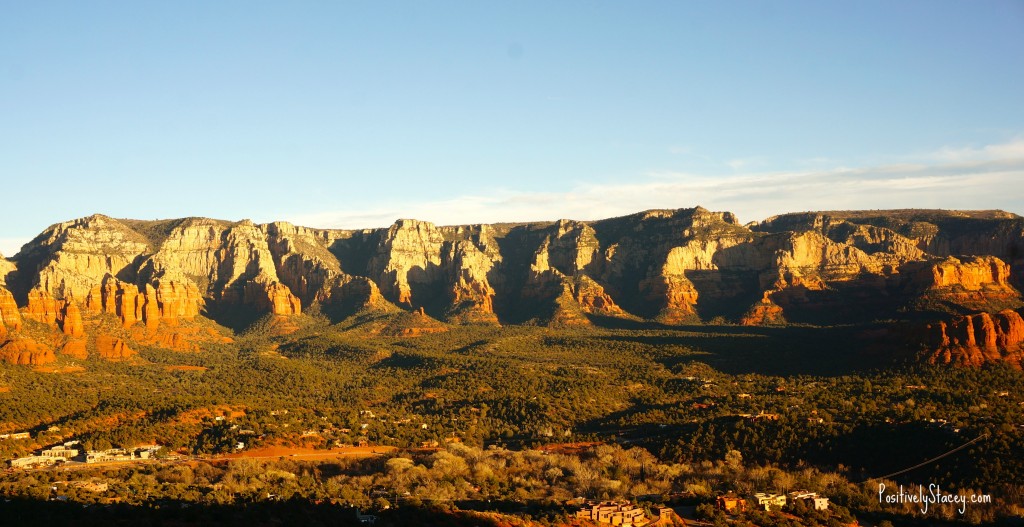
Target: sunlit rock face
[
  {"x": 973, "y": 340},
  {"x": 158, "y": 282}
]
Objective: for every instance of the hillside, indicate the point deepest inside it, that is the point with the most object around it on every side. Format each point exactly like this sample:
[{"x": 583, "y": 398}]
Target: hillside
[{"x": 942, "y": 285}]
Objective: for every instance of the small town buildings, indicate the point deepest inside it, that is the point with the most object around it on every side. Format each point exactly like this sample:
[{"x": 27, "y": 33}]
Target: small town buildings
[
  {"x": 146, "y": 451},
  {"x": 811, "y": 499},
  {"x": 770, "y": 501},
  {"x": 110, "y": 454},
  {"x": 613, "y": 513},
  {"x": 121, "y": 454},
  {"x": 48, "y": 456},
  {"x": 32, "y": 461},
  {"x": 15, "y": 435},
  {"x": 65, "y": 451},
  {"x": 731, "y": 503}
]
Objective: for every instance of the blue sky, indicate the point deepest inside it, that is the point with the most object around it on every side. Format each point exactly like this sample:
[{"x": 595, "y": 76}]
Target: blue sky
[{"x": 338, "y": 114}]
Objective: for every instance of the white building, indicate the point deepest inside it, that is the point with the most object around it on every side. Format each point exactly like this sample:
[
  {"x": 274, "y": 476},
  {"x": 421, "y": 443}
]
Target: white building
[
  {"x": 32, "y": 461},
  {"x": 818, "y": 503},
  {"x": 770, "y": 501}
]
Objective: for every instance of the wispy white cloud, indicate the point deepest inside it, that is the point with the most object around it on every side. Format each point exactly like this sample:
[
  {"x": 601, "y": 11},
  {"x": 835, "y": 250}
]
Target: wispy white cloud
[
  {"x": 988, "y": 177},
  {"x": 1013, "y": 150}
]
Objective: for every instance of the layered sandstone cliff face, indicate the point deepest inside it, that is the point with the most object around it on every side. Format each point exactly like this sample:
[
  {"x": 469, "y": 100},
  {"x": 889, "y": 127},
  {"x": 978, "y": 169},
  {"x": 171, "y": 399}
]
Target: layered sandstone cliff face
[
  {"x": 938, "y": 233},
  {"x": 10, "y": 317},
  {"x": 972, "y": 273},
  {"x": 408, "y": 258},
  {"x": 359, "y": 294},
  {"x": 560, "y": 279},
  {"x": 158, "y": 279},
  {"x": 70, "y": 319},
  {"x": 973, "y": 340},
  {"x": 469, "y": 290},
  {"x": 70, "y": 258},
  {"x": 112, "y": 348},
  {"x": 303, "y": 263}
]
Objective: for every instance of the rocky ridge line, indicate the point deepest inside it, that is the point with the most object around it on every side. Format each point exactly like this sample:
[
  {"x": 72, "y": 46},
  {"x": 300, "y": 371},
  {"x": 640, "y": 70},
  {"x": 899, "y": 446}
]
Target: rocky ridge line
[{"x": 159, "y": 279}]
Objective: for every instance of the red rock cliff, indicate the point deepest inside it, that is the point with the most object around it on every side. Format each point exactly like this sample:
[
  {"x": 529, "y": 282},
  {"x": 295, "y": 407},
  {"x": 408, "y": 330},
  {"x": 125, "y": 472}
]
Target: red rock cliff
[
  {"x": 70, "y": 318},
  {"x": 26, "y": 351},
  {"x": 10, "y": 317},
  {"x": 975, "y": 339},
  {"x": 41, "y": 307},
  {"x": 970, "y": 273}
]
